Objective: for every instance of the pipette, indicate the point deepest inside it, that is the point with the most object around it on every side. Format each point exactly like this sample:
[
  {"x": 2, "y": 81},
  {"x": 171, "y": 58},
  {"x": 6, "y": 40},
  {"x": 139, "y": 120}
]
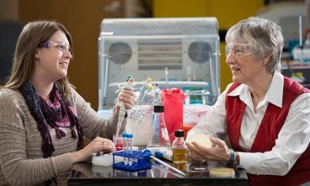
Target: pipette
[
  {"x": 161, "y": 152},
  {"x": 164, "y": 163},
  {"x": 167, "y": 165},
  {"x": 122, "y": 111}
]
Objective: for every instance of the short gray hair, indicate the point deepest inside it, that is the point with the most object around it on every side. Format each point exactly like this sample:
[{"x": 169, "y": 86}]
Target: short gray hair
[{"x": 265, "y": 35}]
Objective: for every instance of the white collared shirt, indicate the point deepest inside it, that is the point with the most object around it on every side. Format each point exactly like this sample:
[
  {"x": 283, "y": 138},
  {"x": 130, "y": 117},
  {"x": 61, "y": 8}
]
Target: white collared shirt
[{"x": 293, "y": 138}]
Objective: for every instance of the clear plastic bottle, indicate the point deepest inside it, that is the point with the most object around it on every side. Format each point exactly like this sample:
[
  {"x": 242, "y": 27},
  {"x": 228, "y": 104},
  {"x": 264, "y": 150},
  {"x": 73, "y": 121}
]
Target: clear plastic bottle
[
  {"x": 160, "y": 136},
  {"x": 179, "y": 151}
]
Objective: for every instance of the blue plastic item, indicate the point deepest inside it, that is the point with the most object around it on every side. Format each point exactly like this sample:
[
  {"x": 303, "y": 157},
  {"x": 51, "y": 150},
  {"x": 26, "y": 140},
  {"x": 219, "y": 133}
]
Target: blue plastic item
[{"x": 138, "y": 159}]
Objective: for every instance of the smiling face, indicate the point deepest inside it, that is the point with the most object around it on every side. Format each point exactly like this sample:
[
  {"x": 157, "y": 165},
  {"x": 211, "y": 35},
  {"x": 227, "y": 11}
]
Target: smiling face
[
  {"x": 246, "y": 67},
  {"x": 53, "y": 58},
  {"x": 263, "y": 40}
]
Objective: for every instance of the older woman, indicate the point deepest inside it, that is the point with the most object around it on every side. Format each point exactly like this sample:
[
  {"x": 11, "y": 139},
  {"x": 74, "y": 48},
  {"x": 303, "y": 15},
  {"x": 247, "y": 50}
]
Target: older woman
[{"x": 265, "y": 115}]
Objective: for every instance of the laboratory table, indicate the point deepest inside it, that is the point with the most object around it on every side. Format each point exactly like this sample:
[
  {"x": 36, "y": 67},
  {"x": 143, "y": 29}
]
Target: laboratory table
[{"x": 87, "y": 174}]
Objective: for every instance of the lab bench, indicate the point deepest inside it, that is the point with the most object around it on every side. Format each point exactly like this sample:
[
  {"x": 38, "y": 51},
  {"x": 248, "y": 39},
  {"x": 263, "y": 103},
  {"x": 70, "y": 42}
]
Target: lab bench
[{"x": 87, "y": 174}]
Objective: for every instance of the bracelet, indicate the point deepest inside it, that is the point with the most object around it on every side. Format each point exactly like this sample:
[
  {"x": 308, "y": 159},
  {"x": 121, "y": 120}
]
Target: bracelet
[
  {"x": 237, "y": 162},
  {"x": 231, "y": 158}
]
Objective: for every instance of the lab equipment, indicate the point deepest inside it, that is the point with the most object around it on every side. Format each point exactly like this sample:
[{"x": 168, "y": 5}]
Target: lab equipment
[
  {"x": 157, "y": 96},
  {"x": 102, "y": 159},
  {"x": 139, "y": 124},
  {"x": 118, "y": 142},
  {"x": 300, "y": 53},
  {"x": 129, "y": 149},
  {"x": 179, "y": 151},
  {"x": 148, "y": 96},
  {"x": 201, "y": 139},
  {"x": 126, "y": 147},
  {"x": 192, "y": 113},
  {"x": 146, "y": 47},
  {"x": 167, "y": 165},
  {"x": 222, "y": 172},
  {"x": 164, "y": 163},
  {"x": 285, "y": 14},
  {"x": 129, "y": 85},
  {"x": 173, "y": 100},
  {"x": 139, "y": 160},
  {"x": 144, "y": 87},
  {"x": 164, "y": 153},
  {"x": 167, "y": 154},
  {"x": 160, "y": 136},
  {"x": 106, "y": 159}
]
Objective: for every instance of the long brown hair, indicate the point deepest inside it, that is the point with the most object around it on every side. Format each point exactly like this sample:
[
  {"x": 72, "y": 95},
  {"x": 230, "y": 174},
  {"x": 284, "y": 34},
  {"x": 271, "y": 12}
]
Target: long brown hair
[{"x": 32, "y": 35}]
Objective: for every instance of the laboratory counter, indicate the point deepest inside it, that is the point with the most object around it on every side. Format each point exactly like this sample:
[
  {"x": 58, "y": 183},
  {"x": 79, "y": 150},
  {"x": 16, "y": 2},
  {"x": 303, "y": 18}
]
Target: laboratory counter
[
  {"x": 300, "y": 73},
  {"x": 87, "y": 174}
]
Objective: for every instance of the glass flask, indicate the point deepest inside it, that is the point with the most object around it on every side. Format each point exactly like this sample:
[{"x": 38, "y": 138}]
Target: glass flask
[{"x": 160, "y": 136}]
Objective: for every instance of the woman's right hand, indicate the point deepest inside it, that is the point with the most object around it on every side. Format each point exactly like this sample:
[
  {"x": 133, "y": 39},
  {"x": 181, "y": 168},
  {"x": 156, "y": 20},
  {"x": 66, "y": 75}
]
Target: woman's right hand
[
  {"x": 219, "y": 152},
  {"x": 95, "y": 146},
  {"x": 128, "y": 97}
]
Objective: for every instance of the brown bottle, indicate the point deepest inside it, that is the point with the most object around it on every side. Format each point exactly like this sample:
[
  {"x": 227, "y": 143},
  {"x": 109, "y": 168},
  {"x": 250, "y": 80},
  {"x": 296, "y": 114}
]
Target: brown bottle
[{"x": 179, "y": 151}]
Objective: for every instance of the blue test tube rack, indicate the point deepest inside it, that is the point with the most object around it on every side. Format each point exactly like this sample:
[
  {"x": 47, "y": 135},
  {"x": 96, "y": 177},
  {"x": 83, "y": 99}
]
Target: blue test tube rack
[{"x": 140, "y": 160}]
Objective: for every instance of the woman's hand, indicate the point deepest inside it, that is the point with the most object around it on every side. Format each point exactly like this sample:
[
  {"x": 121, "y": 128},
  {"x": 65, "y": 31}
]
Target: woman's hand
[
  {"x": 198, "y": 154},
  {"x": 95, "y": 146},
  {"x": 128, "y": 97}
]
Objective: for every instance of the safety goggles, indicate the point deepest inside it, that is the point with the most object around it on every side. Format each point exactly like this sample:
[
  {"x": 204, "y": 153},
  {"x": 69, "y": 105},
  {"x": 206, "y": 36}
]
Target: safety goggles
[
  {"x": 239, "y": 50},
  {"x": 59, "y": 45}
]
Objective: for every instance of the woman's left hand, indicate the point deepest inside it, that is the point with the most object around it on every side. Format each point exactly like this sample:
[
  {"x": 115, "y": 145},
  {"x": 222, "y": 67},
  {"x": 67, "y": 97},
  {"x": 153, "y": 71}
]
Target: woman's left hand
[
  {"x": 219, "y": 153},
  {"x": 95, "y": 146}
]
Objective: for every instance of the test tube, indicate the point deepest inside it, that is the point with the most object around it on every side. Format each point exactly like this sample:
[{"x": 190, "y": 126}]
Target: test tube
[
  {"x": 129, "y": 148},
  {"x": 145, "y": 85},
  {"x": 129, "y": 143},
  {"x": 125, "y": 136},
  {"x": 148, "y": 97}
]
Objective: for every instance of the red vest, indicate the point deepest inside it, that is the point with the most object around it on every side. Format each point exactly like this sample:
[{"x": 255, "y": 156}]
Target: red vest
[{"x": 268, "y": 131}]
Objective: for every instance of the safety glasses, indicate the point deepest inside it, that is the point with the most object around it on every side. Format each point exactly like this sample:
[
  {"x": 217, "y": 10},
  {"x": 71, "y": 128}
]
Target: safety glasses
[
  {"x": 59, "y": 45},
  {"x": 239, "y": 50}
]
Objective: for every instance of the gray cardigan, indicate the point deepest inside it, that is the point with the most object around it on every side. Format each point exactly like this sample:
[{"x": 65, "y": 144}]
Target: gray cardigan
[{"x": 20, "y": 141}]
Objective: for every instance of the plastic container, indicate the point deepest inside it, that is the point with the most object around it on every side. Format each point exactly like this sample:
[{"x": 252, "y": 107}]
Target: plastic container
[
  {"x": 173, "y": 100},
  {"x": 192, "y": 114},
  {"x": 140, "y": 160},
  {"x": 139, "y": 124},
  {"x": 119, "y": 143}
]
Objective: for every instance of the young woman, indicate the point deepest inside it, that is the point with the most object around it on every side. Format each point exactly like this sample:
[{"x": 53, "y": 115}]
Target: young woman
[{"x": 43, "y": 119}]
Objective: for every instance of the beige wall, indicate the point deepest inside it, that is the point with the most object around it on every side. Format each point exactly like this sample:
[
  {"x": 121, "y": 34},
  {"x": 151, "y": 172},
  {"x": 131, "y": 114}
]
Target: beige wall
[
  {"x": 8, "y": 9},
  {"x": 82, "y": 18}
]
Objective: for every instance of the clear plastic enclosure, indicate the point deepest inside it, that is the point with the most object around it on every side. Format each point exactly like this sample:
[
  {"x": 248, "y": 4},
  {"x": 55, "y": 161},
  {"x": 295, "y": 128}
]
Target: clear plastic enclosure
[{"x": 188, "y": 48}]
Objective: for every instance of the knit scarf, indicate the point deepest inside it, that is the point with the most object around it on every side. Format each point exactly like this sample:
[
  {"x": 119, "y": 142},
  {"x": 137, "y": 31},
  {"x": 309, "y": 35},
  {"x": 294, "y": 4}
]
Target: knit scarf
[{"x": 47, "y": 116}]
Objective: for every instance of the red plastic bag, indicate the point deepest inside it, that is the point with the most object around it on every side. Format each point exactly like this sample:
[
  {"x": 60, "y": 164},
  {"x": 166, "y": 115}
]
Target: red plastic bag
[{"x": 173, "y": 100}]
